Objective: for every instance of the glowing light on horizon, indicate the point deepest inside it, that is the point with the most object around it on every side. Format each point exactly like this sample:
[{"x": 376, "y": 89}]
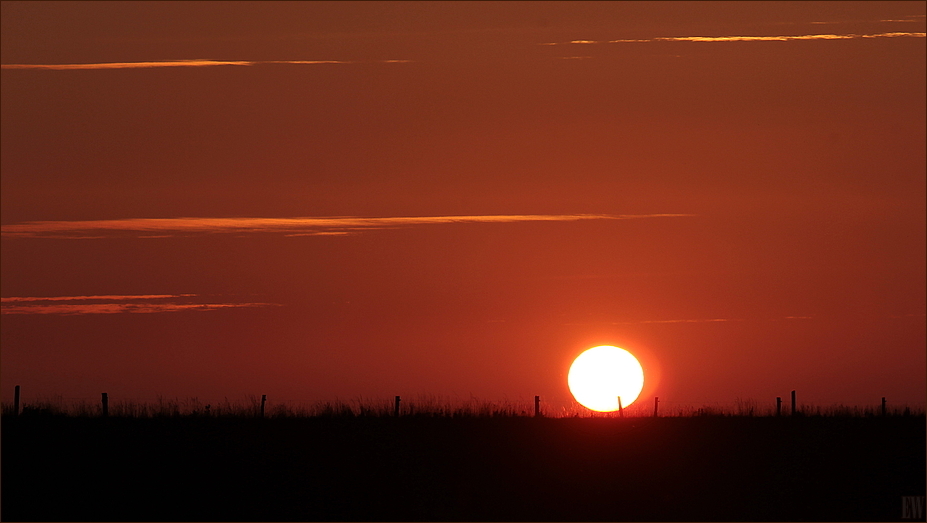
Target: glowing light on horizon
[{"x": 600, "y": 375}]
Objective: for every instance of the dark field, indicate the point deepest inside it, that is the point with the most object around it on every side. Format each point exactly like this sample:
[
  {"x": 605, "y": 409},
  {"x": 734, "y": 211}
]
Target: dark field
[{"x": 502, "y": 469}]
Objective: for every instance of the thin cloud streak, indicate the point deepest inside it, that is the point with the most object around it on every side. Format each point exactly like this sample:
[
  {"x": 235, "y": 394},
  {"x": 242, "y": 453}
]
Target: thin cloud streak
[
  {"x": 72, "y": 309},
  {"x": 107, "y": 297},
  {"x": 778, "y": 38},
  {"x": 711, "y": 320},
  {"x": 314, "y": 226},
  {"x": 699, "y": 320},
  {"x": 788, "y": 38},
  {"x": 112, "y": 304},
  {"x": 181, "y": 63}
]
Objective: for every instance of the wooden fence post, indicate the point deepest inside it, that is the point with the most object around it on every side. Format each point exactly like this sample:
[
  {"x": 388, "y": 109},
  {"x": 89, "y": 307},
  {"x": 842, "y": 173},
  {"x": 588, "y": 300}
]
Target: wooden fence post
[
  {"x": 105, "y": 405},
  {"x": 620, "y": 409},
  {"x": 656, "y": 402},
  {"x": 263, "y": 400},
  {"x": 883, "y": 406},
  {"x": 396, "y": 409},
  {"x": 16, "y": 401},
  {"x": 793, "y": 402},
  {"x": 778, "y": 406},
  {"x": 537, "y": 406}
]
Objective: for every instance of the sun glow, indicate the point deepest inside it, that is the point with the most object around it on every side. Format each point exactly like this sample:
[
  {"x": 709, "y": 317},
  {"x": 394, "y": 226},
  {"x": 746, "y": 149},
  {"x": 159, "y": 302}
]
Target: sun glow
[{"x": 600, "y": 375}]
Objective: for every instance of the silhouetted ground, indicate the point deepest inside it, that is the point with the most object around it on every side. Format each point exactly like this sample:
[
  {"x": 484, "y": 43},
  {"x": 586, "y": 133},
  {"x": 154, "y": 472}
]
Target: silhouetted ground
[{"x": 477, "y": 469}]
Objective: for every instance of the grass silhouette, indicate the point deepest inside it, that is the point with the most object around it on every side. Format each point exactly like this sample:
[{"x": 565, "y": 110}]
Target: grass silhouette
[
  {"x": 423, "y": 406},
  {"x": 455, "y": 460}
]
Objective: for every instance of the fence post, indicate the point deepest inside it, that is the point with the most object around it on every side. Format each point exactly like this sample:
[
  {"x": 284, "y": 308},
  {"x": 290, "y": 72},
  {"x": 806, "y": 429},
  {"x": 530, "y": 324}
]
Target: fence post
[
  {"x": 105, "y": 405},
  {"x": 656, "y": 401},
  {"x": 263, "y": 399},
  {"x": 537, "y": 406},
  {"x": 620, "y": 409},
  {"x": 778, "y": 406},
  {"x": 793, "y": 402},
  {"x": 396, "y": 410},
  {"x": 883, "y": 406},
  {"x": 16, "y": 401}
]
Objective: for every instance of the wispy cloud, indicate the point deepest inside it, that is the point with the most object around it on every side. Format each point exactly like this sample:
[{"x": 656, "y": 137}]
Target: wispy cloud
[
  {"x": 105, "y": 297},
  {"x": 114, "y": 304},
  {"x": 777, "y": 38},
  {"x": 786, "y": 38},
  {"x": 692, "y": 320},
  {"x": 305, "y": 226},
  {"x": 707, "y": 320},
  {"x": 640, "y": 322},
  {"x": 182, "y": 63}
]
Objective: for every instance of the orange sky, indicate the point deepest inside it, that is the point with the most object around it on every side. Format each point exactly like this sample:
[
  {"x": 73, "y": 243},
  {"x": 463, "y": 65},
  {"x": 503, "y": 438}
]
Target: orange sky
[{"x": 330, "y": 200}]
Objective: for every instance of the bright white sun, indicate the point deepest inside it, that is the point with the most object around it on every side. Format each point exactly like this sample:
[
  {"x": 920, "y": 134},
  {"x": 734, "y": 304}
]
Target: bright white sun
[{"x": 601, "y": 374}]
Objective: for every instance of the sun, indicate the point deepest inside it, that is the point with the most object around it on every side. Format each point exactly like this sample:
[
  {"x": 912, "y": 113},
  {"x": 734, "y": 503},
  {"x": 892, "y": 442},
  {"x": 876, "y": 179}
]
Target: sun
[{"x": 601, "y": 374}]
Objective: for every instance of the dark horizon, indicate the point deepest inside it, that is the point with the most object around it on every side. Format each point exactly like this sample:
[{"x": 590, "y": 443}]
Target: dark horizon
[{"x": 699, "y": 468}]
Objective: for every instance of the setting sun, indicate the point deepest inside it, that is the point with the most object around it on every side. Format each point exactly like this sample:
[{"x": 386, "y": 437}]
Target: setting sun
[{"x": 601, "y": 374}]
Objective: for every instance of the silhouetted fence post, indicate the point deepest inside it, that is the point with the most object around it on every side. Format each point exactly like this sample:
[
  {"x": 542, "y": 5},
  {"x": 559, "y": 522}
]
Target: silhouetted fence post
[
  {"x": 537, "y": 406},
  {"x": 16, "y": 401},
  {"x": 263, "y": 400},
  {"x": 793, "y": 402},
  {"x": 778, "y": 405},
  {"x": 105, "y": 400},
  {"x": 396, "y": 409},
  {"x": 656, "y": 402},
  {"x": 883, "y": 406},
  {"x": 620, "y": 409}
]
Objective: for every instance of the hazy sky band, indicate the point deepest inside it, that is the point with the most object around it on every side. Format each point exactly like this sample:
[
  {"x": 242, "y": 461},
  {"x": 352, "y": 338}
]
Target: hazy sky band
[
  {"x": 304, "y": 224},
  {"x": 179, "y": 63}
]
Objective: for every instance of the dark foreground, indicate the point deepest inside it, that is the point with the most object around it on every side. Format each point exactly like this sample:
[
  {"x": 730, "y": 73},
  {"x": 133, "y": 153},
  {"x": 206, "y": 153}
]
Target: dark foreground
[{"x": 499, "y": 469}]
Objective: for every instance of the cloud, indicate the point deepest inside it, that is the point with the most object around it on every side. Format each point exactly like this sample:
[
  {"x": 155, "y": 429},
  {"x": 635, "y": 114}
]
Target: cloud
[
  {"x": 710, "y": 320},
  {"x": 306, "y": 226},
  {"x": 639, "y": 322},
  {"x": 779, "y": 38},
  {"x": 114, "y": 304},
  {"x": 787, "y": 38},
  {"x": 110, "y": 297},
  {"x": 179, "y": 63},
  {"x": 697, "y": 320}
]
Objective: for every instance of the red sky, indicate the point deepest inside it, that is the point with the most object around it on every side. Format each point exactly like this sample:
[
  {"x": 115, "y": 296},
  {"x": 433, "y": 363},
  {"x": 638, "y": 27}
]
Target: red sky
[{"x": 320, "y": 201}]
